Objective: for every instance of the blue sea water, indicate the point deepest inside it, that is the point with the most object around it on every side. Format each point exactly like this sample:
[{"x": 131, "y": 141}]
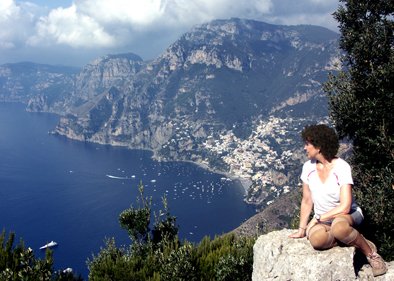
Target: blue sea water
[{"x": 53, "y": 188}]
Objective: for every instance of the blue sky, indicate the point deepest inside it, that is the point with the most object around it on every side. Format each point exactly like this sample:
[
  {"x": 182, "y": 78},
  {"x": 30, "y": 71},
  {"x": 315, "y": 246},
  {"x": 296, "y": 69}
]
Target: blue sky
[{"x": 75, "y": 32}]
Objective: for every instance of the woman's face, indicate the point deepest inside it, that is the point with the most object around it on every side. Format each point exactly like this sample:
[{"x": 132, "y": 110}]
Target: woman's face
[{"x": 311, "y": 150}]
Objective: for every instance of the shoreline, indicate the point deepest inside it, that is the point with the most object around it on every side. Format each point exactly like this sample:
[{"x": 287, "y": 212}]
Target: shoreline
[{"x": 244, "y": 182}]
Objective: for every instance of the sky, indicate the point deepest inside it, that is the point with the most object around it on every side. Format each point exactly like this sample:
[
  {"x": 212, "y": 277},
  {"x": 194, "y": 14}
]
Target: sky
[{"x": 75, "y": 32}]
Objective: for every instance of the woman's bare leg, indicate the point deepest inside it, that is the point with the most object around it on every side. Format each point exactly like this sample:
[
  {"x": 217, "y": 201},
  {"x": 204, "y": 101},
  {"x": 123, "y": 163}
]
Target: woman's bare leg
[{"x": 320, "y": 237}]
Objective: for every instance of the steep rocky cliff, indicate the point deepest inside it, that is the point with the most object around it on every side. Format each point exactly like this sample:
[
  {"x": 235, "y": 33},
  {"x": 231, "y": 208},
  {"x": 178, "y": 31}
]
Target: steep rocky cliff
[{"x": 220, "y": 76}]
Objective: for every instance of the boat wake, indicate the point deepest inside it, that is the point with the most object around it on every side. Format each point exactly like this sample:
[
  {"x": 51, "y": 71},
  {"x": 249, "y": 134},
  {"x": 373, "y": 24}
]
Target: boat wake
[{"x": 117, "y": 178}]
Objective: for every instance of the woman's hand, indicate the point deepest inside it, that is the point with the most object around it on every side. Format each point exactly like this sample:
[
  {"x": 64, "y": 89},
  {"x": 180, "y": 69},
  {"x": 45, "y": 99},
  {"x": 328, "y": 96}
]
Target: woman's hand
[
  {"x": 299, "y": 234},
  {"x": 310, "y": 225}
]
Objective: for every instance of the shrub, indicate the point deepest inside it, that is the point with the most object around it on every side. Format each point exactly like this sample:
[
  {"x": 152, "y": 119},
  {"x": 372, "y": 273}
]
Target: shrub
[
  {"x": 158, "y": 254},
  {"x": 19, "y": 263},
  {"x": 361, "y": 100}
]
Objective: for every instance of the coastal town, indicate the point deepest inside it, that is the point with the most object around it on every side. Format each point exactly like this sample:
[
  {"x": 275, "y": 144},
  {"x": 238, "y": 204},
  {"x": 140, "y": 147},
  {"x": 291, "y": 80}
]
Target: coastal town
[{"x": 268, "y": 161}]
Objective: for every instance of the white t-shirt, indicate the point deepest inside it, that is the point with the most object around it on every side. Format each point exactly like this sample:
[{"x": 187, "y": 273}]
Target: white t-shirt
[{"x": 326, "y": 196}]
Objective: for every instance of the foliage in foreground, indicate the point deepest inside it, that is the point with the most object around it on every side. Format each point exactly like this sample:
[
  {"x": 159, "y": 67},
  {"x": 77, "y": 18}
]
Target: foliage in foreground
[
  {"x": 157, "y": 253},
  {"x": 362, "y": 105},
  {"x": 19, "y": 263}
]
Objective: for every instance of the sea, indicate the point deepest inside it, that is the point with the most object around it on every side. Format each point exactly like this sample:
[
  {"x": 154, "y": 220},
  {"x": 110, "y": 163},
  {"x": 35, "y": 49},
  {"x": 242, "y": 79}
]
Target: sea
[{"x": 56, "y": 189}]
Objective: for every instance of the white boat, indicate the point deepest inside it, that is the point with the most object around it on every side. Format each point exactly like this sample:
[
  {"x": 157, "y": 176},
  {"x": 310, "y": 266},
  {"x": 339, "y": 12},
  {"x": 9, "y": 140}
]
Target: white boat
[
  {"x": 49, "y": 245},
  {"x": 68, "y": 270}
]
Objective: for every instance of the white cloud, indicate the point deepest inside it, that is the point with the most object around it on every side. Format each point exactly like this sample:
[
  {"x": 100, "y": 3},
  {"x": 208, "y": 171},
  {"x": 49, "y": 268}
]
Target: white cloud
[
  {"x": 142, "y": 26},
  {"x": 193, "y": 12},
  {"x": 67, "y": 26},
  {"x": 7, "y": 9},
  {"x": 134, "y": 12},
  {"x": 104, "y": 23},
  {"x": 15, "y": 23}
]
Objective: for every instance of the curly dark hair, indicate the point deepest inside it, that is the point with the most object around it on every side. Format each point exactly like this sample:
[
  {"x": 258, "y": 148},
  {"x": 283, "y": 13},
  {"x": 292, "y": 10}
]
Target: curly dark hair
[{"x": 322, "y": 137}]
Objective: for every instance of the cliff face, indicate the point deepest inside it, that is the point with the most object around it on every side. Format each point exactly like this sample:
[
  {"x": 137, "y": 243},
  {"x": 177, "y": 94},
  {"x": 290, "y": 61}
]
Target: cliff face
[
  {"x": 41, "y": 85},
  {"x": 220, "y": 76},
  {"x": 277, "y": 257}
]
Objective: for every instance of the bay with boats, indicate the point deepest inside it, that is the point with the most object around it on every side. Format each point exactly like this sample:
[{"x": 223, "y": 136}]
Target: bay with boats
[{"x": 71, "y": 193}]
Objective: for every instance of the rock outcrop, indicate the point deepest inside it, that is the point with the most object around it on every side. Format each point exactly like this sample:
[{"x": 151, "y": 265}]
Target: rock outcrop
[{"x": 277, "y": 257}]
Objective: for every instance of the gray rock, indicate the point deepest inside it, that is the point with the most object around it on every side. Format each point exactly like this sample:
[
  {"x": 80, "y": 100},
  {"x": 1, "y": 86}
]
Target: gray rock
[{"x": 277, "y": 257}]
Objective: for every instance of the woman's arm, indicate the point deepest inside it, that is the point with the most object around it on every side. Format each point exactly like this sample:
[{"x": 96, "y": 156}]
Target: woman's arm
[
  {"x": 345, "y": 204},
  {"x": 306, "y": 208}
]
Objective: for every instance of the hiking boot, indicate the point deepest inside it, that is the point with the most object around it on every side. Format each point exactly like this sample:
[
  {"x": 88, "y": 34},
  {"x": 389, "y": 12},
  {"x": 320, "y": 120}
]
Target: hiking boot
[{"x": 377, "y": 263}]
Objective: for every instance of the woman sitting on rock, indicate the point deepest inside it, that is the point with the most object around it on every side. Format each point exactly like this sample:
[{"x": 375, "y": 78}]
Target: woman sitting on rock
[{"x": 327, "y": 188}]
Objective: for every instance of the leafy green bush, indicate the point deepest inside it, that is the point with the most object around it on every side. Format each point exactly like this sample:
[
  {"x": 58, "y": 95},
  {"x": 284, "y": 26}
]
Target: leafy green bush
[
  {"x": 377, "y": 200},
  {"x": 178, "y": 263},
  {"x": 19, "y": 263},
  {"x": 362, "y": 104},
  {"x": 225, "y": 258},
  {"x": 113, "y": 263},
  {"x": 157, "y": 254}
]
